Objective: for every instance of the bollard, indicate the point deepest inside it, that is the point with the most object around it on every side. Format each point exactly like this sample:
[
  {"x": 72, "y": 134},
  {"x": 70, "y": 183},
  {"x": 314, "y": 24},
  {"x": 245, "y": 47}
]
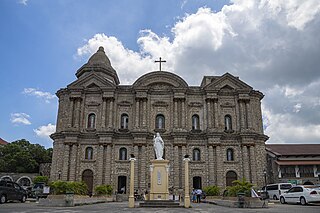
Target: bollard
[
  {"x": 240, "y": 200},
  {"x": 69, "y": 199}
]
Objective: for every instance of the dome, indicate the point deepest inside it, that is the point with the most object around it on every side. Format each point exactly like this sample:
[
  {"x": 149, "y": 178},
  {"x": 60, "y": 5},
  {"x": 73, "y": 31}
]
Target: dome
[
  {"x": 99, "y": 63},
  {"x": 99, "y": 58}
]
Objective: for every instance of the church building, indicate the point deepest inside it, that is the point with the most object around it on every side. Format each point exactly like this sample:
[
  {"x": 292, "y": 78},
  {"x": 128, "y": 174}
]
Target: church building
[{"x": 101, "y": 122}]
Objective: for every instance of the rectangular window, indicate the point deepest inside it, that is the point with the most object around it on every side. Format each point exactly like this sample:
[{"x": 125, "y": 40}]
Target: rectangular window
[
  {"x": 306, "y": 171},
  {"x": 288, "y": 171}
]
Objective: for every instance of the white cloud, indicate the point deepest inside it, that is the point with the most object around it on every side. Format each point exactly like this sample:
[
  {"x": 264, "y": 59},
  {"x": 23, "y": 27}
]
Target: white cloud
[
  {"x": 39, "y": 94},
  {"x": 20, "y": 118},
  {"x": 24, "y": 2},
  {"x": 45, "y": 131},
  {"x": 285, "y": 128},
  {"x": 273, "y": 45}
]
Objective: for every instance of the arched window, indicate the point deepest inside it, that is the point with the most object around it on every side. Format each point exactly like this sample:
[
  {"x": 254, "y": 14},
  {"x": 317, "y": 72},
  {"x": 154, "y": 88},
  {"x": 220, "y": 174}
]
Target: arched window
[
  {"x": 123, "y": 154},
  {"x": 196, "y": 155},
  {"x": 92, "y": 121},
  {"x": 160, "y": 122},
  {"x": 230, "y": 154},
  {"x": 230, "y": 177},
  {"x": 124, "y": 121},
  {"x": 195, "y": 122},
  {"x": 228, "y": 122},
  {"x": 89, "y": 153}
]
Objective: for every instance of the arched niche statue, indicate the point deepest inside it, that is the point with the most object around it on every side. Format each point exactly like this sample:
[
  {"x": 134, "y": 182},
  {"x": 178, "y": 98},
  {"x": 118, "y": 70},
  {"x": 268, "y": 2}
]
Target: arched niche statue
[{"x": 158, "y": 146}]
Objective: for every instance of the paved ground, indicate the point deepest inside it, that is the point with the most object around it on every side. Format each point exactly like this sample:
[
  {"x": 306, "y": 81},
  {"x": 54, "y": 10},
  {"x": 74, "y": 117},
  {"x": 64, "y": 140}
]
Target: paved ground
[{"x": 123, "y": 207}]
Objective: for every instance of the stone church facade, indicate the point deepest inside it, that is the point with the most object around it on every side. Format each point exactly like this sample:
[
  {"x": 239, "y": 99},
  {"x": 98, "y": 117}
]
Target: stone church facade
[{"x": 100, "y": 123}]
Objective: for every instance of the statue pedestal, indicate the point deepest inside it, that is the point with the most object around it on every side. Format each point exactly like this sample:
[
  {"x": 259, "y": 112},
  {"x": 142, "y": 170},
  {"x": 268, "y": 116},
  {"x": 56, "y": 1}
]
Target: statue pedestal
[{"x": 159, "y": 180}]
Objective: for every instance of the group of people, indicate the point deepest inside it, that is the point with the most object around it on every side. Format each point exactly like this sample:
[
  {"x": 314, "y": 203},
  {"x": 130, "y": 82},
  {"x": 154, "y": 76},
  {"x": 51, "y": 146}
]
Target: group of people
[{"x": 196, "y": 195}]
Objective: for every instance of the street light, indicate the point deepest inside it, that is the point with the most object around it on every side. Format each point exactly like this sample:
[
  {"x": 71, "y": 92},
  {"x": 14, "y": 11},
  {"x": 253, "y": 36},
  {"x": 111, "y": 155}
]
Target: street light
[
  {"x": 59, "y": 174},
  {"x": 265, "y": 183}
]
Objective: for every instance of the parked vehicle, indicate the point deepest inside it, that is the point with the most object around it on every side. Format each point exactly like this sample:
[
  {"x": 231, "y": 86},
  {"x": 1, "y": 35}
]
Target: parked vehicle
[
  {"x": 275, "y": 190},
  {"x": 11, "y": 191},
  {"x": 39, "y": 190},
  {"x": 301, "y": 194}
]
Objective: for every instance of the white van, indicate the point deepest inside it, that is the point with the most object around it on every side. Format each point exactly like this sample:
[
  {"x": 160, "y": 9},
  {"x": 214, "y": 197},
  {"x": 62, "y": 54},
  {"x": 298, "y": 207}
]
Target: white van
[{"x": 275, "y": 190}]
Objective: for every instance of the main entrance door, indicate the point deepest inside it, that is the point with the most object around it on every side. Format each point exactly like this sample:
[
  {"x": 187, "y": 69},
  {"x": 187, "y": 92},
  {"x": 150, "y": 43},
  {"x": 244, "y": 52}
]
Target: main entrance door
[
  {"x": 87, "y": 177},
  {"x": 122, "y": 184},
  {"x": 197, "y": 182},
  {"x": 231, "y": 176}
]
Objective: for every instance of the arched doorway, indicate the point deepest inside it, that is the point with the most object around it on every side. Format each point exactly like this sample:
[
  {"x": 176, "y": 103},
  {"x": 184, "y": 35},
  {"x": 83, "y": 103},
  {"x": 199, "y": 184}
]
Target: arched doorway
[
  {"x": 230, "y": 177},
  {"x": 122, "y": 184},
  {"x": 87, "y": 177},
  {"x": 197, "y": 183},
  {"x": 24, "y": 181}
]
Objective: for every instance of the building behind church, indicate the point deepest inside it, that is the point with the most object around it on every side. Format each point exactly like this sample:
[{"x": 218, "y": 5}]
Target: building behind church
[{"x": 101, "y": 122}]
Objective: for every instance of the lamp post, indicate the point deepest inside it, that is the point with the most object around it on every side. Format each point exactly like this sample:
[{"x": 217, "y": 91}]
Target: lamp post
[
  {"x": 59, "y": 175},
  {"x": 186, "y": 182},
  {"x": 265, "y": 182},
  {"x": 131, "y": 195}
]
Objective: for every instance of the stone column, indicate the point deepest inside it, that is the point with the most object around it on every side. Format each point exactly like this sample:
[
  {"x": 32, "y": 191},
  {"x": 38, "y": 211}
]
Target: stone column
[
  {"x": 108, "y": 166},
  {"x": 253, "y": 165},
  {"x": 176, "y": 164},
  {"x": 77, "y": 113},
  {"x": 65, "y": 169},
  {"x": 142, "y": 172},
  {"x": 73, "y": 164},
  {"x": 137, "y": 176},
  {"x": 100, "y": 165},
  {"x": 248, "y": 115},
  {"x": 110, "y": 113},
  {"x": 215, "y": 113},
  {"x": 137, "y": 113},
  {"x": 103, "y": 113},
  {"x": 131, "y": 195},
  {"x": 220, "y": 172},
  {"x": 78, "y": 156},
  {"x": 70, "y": 122},
  {"x": 186, "y": 183},
  {"x": 209, "y": 114},
  {"x": 211, "y": 166},
  {"x": 144, "y": 115},
  {"x": 245, "y": 163},
  {"x": 182, "y": 174},
  {"x": 242, "y": 115},
  {"x": 175, "y": 118},
  {"x": 183, "y": 114}
]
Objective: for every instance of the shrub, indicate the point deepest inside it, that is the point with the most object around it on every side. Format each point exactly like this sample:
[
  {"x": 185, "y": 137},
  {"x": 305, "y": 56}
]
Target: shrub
[
  {"x": 41, "y": 179},
  {"x": 61, "y": 187},
  {"x": 241, "y": 186},
  {"x": 103, "y": 190},
  {"x": 212, "y": 190}
]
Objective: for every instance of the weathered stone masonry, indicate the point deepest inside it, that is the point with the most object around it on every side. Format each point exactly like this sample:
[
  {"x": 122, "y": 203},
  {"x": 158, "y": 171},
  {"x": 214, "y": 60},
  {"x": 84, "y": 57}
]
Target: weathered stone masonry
[{"x": 99, "y": 120}]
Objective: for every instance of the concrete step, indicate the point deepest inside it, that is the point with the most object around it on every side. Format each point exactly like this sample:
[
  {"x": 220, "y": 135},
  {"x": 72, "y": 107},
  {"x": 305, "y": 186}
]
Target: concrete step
[{"x": 160, "y": 204}]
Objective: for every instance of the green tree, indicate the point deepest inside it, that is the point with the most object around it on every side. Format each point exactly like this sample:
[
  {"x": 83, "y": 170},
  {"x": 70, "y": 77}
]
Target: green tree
[
  {"x": 240, "y": 186},
  {"x": 212, "y": 190},
  {"x": 22, "y": 156}
]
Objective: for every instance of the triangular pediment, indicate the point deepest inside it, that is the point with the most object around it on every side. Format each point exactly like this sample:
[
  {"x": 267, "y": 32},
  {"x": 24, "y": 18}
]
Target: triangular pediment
[
  {"x": 91, "y": 81},
  {"x": 227, "y": 82}
]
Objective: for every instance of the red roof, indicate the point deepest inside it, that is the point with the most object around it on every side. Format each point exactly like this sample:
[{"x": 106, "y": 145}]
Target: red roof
[
  {"x": 294, "y": 149},
  {"x": 3, "y": 142}
]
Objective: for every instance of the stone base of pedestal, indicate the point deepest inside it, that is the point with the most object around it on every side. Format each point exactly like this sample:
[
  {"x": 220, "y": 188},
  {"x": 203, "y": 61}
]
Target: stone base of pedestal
[{"x": 159, "y": 180}]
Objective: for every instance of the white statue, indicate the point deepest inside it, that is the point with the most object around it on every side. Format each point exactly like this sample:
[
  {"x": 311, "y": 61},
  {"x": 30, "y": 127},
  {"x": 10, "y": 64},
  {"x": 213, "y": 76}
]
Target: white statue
[{"x": 158, "y": 145}]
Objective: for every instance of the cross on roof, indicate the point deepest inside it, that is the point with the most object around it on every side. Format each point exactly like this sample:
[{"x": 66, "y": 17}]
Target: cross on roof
[{"x": 160, "y": 61}]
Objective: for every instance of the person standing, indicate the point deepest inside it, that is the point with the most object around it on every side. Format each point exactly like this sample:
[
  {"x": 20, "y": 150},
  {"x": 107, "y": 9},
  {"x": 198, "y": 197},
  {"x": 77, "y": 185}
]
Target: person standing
[{"x": 198, "y": 193}]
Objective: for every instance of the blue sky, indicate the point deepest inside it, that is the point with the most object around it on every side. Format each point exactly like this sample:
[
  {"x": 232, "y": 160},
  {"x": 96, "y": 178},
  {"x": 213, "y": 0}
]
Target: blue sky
[{"x": 272, "y": 45}]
